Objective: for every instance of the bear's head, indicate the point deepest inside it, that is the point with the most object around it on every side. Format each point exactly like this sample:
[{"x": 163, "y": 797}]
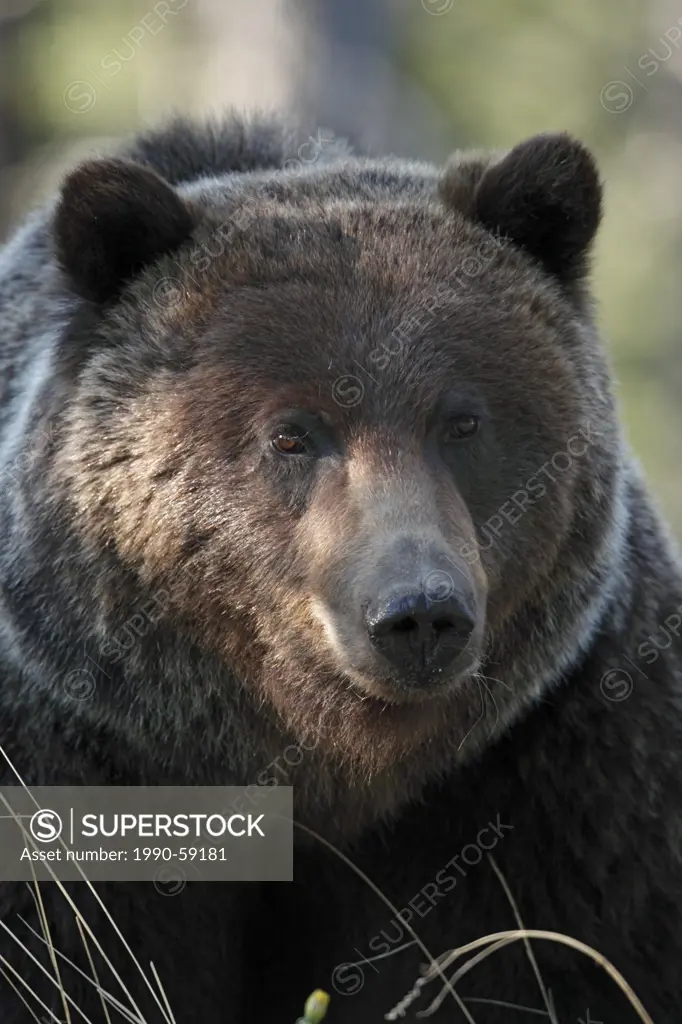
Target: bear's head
[{"x": 356, "y": 426}]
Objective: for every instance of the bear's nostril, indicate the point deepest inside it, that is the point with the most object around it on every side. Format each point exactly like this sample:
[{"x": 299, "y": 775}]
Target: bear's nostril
[
  {"x": 416, "y": 633},
  {"x": 406, "y": 625}
]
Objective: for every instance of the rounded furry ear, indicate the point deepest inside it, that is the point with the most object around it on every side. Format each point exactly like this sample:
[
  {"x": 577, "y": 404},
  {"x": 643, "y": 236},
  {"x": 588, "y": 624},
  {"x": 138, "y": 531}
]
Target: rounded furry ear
[
  {"x": 545, "y": 196},
  {"x": 113, "y": 218}
]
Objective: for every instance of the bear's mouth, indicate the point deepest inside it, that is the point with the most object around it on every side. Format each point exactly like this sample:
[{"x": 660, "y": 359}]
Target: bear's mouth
[{"x": 397, "y": 690}]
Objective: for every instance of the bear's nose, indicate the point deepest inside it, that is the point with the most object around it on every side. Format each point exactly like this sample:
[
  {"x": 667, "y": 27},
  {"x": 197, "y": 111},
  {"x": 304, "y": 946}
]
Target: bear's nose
[{"x": 416, "y": 632}]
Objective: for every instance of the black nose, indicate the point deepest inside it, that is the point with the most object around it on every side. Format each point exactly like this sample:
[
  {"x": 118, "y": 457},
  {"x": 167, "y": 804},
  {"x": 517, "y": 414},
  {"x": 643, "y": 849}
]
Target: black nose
[{"x": 414, "y": 631}]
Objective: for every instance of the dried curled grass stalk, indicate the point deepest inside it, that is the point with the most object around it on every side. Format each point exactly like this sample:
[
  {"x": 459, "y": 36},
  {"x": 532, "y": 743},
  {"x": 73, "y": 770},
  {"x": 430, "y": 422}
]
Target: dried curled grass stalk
[{"x": 498, "y": 940}]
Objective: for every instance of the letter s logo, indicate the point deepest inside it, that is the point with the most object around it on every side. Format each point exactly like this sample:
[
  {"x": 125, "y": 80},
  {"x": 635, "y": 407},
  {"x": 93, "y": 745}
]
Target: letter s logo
[{"x": 46, "y": 826}]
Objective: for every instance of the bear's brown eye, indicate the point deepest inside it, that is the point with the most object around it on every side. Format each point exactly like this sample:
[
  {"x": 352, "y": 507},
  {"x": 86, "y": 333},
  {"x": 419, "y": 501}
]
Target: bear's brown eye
[
  {"x": 460, "y": 428},
  {"x": 289, "y": 443}
]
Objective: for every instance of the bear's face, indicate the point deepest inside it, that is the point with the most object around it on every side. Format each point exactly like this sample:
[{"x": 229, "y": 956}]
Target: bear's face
[{"x": 351, "y": 440}]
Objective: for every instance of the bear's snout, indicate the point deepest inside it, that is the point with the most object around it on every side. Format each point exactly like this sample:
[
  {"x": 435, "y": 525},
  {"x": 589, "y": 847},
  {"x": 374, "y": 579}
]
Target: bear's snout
[{"x": 421, "y": 613}]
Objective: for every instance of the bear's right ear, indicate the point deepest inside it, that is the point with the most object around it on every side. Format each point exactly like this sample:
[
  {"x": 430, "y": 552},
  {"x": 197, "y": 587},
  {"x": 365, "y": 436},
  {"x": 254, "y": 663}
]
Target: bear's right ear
[{"x": 113, "y": 218}]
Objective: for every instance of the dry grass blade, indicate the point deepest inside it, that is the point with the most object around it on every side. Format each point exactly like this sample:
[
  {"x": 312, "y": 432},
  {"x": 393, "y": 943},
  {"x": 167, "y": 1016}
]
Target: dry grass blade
[
  {"x": 531, "y": 955},
  {"x": 93, "y": 969},
  {"x": 7, "y": 964},
  {"x": 565, "y": 940},
  {"x": 161, "y": 990},
  {"x": 107, "y": 996},
  {"x": 506, "y": 1006},
  {"x": 44, "y": 970},
  {"x": 20, "y": 994},
  {"x": 435, "y": 966},
  {"x": 98, "y": 899},
  {"x": 45, "y": 927},
  {"x": 73, "y": 906}
]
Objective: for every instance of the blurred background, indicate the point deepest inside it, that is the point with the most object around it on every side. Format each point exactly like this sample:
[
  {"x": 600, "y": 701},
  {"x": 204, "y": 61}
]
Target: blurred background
[{"x": 412, "y": 77}]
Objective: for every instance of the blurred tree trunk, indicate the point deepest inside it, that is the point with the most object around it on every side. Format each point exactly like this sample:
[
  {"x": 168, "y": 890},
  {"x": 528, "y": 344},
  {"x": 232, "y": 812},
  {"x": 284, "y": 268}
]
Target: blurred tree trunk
[{"x": 351, "y": 80}]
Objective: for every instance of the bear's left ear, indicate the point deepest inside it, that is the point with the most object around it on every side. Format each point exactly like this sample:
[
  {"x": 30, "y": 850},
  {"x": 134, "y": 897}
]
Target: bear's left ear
[
  {"x": 113, "y": 218},
  {"x": 545, "y": 196}
]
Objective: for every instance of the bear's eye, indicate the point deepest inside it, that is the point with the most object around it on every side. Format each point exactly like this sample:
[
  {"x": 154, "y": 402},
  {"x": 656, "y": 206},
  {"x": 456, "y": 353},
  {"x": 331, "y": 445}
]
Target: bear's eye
[
  {"x": 459, "y": 428},
  {"x": 289, "y": 442}
]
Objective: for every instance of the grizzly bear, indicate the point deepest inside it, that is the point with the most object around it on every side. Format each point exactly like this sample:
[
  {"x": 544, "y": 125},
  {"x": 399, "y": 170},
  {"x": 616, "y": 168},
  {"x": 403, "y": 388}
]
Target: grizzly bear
[{"x": 312, "y": 475}]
